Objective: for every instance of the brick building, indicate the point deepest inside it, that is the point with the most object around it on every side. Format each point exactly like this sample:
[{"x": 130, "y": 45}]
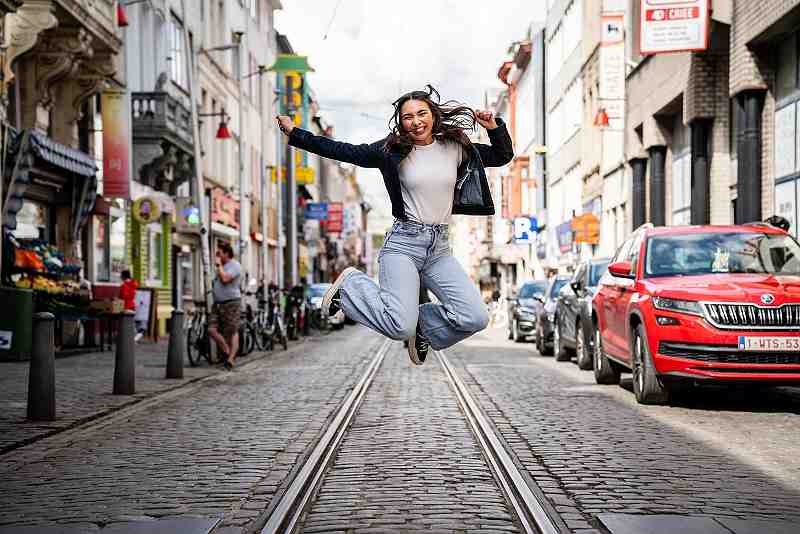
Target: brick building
[
  {"x": 677, "y": 129},
  {"x": 764, "y": 88}
]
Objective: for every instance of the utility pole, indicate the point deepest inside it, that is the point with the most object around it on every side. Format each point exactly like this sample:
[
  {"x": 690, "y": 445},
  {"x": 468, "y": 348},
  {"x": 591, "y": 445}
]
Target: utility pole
[
  {"x": 198, "y": 189},
  {"x": 243, "y": 206}
]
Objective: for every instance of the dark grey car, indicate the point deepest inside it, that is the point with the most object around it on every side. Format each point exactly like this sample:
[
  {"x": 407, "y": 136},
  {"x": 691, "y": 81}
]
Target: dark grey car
[
  {"x": 523, "y": 310},
  {"x": 573, "y": 333},
  {"x": 544, "y": 321}
]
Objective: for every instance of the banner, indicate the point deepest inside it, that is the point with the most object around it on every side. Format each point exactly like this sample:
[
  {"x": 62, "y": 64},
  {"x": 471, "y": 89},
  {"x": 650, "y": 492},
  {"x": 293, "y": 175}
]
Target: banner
[
  {"x": 525, "y": 229},
  {"x": 672, "y": 26},
  {"x": 611, "y": 90},
  {"x": 335, "y": 217},
  {"x": 116, "y": 142},
  {"x": 586, "y": 229}
]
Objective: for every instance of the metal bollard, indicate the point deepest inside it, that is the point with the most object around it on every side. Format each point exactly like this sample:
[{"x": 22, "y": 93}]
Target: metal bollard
[
  {"x": 125, "y": 361},
  {"x": 42, "y": 377},
  {"x": 177, "y": 346}
]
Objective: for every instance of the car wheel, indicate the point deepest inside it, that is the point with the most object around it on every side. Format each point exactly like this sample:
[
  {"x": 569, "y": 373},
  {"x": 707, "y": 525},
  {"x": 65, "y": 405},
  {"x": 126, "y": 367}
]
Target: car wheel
[
  {"x": 515, "y": 332},
  {"x": 581, "y": 350},
  {"x": 559, "y": 350},
  {"x": 510, "y": 332},
  {"x": 646, "y": 385},
  {"x": 604, "y": 370}
]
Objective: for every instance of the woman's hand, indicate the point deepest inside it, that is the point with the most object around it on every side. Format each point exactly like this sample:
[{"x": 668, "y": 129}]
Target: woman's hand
[
  {"x": 486, "y": 119},
  {"x": 286, "y": 124}
]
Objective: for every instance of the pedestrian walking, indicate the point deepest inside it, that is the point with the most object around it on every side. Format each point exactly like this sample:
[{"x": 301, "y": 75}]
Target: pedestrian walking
[
  {"x": 223, "y": 325},
  {"x": 127, "y": 292},
  {"x": 431, "y": 170}
]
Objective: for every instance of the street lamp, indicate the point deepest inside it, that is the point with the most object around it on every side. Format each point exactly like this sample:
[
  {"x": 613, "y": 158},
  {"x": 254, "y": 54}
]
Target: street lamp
[
  {"x": 237, "y": 46},
  {"x": 122, "y": 18},
  {"x": 222, "y": 130}
]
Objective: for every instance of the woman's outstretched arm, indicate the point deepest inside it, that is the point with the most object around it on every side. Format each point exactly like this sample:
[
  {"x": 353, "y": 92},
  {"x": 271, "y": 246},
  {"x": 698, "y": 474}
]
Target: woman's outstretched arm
[
  {"x": 364, "y": 155},
  {"x": 501, "y": 150}
]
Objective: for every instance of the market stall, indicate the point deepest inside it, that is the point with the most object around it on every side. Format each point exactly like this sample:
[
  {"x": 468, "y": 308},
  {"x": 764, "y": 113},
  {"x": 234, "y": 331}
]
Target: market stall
[{"x": 49, "y": 193}]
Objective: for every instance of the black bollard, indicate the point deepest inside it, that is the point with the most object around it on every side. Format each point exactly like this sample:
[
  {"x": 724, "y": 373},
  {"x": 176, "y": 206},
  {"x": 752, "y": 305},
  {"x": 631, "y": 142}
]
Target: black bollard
[
  {"x": 42, "y": 377},
  {"x": 125, "y": 362},
  {"x": 177, "y": 347}
]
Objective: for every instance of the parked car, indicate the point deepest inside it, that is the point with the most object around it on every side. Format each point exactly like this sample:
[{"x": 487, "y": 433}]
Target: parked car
[
  {"x": 700, "y": 303},
  {"x": 523, "y": 309},
  {"x": 574, "y": 333},
  {"x": 547, "y": 315}
]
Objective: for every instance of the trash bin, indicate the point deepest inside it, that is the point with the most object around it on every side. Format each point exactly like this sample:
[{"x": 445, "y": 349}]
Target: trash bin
[{"x": 16, "y": 323}]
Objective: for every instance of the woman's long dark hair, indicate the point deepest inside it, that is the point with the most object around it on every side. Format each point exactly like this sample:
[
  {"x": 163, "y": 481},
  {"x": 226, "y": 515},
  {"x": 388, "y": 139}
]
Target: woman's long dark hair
[{"x": 451, "y": 120}]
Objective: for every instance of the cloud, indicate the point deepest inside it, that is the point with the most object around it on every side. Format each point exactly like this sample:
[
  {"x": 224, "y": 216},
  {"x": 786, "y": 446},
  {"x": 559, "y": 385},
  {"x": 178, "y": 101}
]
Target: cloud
[{"x": 376, "y": 50}]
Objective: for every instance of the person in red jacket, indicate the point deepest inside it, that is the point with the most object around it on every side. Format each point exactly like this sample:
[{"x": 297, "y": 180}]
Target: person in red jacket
[{"x": 127, "y": 292}]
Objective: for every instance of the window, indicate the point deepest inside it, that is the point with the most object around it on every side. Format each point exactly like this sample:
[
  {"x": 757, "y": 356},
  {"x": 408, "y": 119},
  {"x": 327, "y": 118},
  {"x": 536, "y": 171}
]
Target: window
[
  {"x": 177, "y": 51},
  {"x": 787, "y": 130},
  {"x": 681, "y": 173},
  {"x": 109, "y": 245},
  {"x": 33, "y": 221},
  {"x": 155, "y": 249},
  {"x": 723, "y": 252}
]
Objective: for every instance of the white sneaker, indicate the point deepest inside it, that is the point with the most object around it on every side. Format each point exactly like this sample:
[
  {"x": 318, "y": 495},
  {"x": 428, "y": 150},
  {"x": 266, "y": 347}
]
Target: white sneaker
[
  {"x": 332, "y": 302},
  {"x": 138, "y": 337}
]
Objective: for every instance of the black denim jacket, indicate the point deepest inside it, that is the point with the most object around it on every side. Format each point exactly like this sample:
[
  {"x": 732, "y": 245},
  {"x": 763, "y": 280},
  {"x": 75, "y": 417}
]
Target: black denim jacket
[{"x": 375, "y": 155}]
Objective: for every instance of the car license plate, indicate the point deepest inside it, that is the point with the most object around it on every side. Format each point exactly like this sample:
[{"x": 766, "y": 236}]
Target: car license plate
[{"x": 769, "y": 344}]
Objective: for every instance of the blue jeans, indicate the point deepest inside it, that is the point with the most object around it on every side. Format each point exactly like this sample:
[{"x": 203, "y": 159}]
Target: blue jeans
[{"x": 415, "y": 252}]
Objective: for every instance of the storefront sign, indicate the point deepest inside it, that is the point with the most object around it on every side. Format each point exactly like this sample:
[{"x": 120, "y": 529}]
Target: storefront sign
[
  {"x": 564, "y": 236},
  {"x": 612, "y": 69},
  {"x": 146, "y": 210},
  {"x": 317, "y": 211},
  {"x": 224, "y": 209},
  {"x": 304, "y": 175},
  {"x": 116, "y": 134},
  {"x": 525, "y": 229},
  {"x": 187, "y": 220},
  {"x": 335, "y": 217},
  {"x": 586, "y": 229},
  {"x": 6, "y": 337},
  {"x": 672, "y": 26}
]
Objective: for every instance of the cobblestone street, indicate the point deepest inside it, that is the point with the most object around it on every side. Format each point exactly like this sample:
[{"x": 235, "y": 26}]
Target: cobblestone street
[{"x": 224, "y": 448}]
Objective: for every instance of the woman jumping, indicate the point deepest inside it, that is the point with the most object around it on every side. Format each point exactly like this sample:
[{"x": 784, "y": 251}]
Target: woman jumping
[{"x": 431, "y": 170}]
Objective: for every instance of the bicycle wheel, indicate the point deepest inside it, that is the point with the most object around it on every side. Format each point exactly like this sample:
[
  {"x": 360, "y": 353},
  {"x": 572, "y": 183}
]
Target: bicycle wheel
[
  {"x": 248, "y": 339},
  {"x": 194, "y": 336}
]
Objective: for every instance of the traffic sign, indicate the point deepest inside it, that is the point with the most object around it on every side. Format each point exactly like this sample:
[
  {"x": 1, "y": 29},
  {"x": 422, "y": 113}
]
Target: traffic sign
[{"x": 525, "y": 230}]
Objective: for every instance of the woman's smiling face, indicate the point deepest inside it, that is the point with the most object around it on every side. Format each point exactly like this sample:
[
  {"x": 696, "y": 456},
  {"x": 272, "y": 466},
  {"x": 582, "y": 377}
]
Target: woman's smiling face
[{"x": 417, "y": 121}]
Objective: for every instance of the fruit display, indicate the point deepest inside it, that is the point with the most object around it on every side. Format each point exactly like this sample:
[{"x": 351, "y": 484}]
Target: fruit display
[
  {"x": 34, "y": 255},
  {"x": 47, "y": 285}
]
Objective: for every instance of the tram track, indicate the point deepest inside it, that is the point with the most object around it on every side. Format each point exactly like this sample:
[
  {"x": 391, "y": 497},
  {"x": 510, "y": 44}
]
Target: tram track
[{"x": 532, "y": 513}]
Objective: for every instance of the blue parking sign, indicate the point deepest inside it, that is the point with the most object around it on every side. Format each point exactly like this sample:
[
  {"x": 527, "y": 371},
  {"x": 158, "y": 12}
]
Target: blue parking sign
[{"x": 525, "y": 230}]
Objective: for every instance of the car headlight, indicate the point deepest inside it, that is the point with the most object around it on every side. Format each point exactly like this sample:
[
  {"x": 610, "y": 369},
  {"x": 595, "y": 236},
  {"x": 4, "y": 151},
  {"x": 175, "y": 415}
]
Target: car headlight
[{"x": 681, "y": 306}]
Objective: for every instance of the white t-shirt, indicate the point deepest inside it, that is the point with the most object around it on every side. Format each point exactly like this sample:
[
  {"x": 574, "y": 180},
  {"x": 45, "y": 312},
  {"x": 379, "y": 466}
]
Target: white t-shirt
[{"x": 427, "y": 179}]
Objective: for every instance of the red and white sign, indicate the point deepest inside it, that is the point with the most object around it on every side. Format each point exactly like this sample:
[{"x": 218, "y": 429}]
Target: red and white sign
[
  {"x": 333, "y": 224},
  {"x": 673, "y": 26}
]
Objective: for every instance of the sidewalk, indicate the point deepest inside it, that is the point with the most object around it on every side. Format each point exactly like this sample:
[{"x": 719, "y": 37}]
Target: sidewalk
[{"x": 83, "y": 390}]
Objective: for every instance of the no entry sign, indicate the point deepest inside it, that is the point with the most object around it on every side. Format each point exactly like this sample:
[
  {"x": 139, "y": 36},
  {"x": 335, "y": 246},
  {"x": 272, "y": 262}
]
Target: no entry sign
[{"x": 672, "y": 26}]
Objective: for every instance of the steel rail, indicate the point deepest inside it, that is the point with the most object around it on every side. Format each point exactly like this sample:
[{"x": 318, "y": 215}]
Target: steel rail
[
  {"x": 529, "y": 508},
  {"x": 289, "y": 509}
]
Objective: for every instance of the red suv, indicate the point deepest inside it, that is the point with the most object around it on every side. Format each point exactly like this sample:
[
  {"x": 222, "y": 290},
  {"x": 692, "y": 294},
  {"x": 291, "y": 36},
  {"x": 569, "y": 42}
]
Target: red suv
[{"x": 716, "y": 303}]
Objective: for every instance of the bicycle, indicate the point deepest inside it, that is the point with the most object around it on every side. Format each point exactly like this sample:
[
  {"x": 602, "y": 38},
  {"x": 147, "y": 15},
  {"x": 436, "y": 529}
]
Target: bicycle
[
  {"x": 269, "y": 322},
  {"x": 198, "y": 343}
]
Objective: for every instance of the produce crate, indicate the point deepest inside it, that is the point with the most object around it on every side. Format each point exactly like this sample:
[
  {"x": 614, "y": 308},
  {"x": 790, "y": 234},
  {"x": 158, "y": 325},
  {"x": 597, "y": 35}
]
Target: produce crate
[{"x": 111, "y": 306}]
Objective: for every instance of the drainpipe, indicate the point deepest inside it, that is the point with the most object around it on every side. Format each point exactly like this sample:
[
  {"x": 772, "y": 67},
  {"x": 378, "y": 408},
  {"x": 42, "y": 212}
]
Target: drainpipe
[
  {"x": 701, "y": 166},
  {"x": 658, "y": 189},
  {"x": 749, "y": 105}
]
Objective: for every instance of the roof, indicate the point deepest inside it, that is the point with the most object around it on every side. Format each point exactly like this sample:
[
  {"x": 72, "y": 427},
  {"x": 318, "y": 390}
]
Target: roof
[
  {"x": 757, "y": 228},
  {"x": 56, "y": 154}
]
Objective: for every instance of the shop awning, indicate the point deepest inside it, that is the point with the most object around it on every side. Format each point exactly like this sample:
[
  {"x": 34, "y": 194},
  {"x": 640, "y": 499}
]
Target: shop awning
[{"x": 29, "y": 150}]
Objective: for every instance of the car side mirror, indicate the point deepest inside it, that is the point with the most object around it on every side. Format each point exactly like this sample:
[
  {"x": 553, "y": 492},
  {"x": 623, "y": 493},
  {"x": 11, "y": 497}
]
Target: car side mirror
[{"x": 621, "y": 269}]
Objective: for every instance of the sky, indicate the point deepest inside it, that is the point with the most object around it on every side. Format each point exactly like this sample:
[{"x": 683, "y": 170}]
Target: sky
[{"x": 376, "y": 50}]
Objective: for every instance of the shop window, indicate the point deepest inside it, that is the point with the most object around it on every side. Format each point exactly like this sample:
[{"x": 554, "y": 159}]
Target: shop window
[
  {"x": 33, "y": 221},
  {"x": 786, "y": 82},
  {"x": 109, "y": 245},
  {"x": 155, "y": 250},
  {"x": 786, "y": 202}
]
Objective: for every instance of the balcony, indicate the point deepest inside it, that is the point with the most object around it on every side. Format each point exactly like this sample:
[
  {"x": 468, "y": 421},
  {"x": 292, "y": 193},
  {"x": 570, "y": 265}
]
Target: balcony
[{"x": 162, "y": 139}]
